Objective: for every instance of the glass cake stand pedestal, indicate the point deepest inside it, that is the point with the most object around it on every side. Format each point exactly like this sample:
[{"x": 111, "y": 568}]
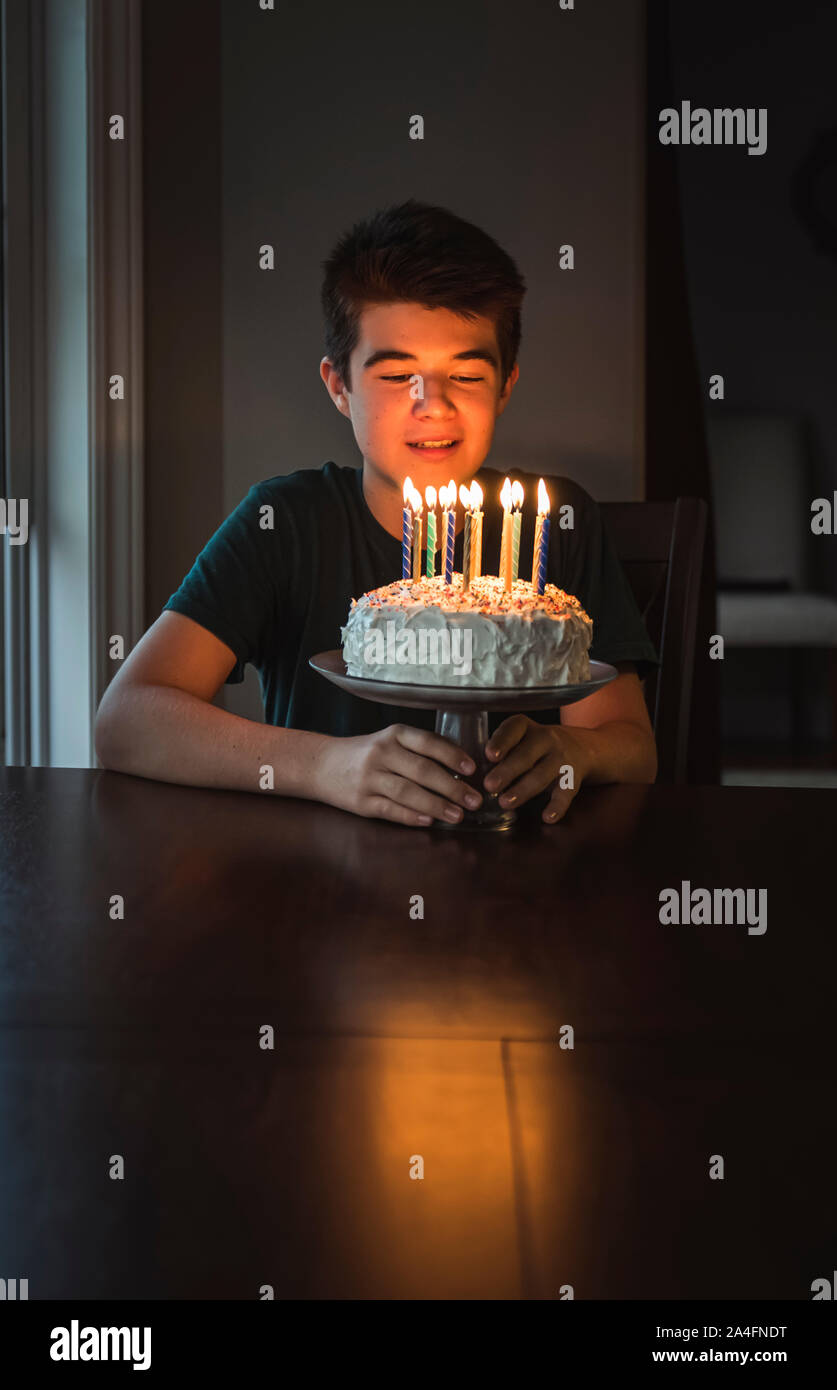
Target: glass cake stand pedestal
[{"x": 462, "y": 716}]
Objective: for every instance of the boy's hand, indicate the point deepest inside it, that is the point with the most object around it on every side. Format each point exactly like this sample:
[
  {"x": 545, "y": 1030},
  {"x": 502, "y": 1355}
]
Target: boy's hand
[
  {"x": 397, "y": 775},
  {"x": 529, "y": 759}
]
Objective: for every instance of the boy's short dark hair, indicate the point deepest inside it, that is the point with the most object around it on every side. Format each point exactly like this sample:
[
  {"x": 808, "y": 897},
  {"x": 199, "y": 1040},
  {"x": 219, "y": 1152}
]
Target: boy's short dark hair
[{"x": 425, "y": 254}]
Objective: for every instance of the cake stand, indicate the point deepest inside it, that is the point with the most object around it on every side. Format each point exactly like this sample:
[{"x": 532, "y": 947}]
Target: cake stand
[{"x": 462, "y": 716}]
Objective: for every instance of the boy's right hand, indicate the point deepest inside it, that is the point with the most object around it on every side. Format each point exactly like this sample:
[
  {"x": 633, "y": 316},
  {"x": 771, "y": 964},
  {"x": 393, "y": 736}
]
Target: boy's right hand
[{"x": 399, "y": 774}]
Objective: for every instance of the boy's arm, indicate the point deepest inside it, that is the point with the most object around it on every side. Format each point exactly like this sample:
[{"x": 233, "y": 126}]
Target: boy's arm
[
  {"x": 613, "y": 727},
  {"x": 156, "y": 720}
]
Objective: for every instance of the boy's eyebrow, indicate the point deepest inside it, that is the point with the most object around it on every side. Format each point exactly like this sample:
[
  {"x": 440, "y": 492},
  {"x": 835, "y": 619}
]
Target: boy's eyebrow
[{"x": 470, "y": 354}]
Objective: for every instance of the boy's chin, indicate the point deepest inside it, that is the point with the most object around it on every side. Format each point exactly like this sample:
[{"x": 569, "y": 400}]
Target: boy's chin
[{"x": 423, "y": 469}]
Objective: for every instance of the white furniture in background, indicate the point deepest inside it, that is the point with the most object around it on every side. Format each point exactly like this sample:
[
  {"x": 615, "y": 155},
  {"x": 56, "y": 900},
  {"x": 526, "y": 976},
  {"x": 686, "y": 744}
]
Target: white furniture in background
[{"x": 763, "y": 489}]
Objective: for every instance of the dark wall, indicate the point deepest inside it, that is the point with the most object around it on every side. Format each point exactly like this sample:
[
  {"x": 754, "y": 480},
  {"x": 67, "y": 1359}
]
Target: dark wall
[
  {"x": 762, "y": 293},
  {"x": 532, "y": 130},
  {"x": 182, "y": 287},
  {"x": 763, "y": 297},
  {"x": 676, "y": 457}
]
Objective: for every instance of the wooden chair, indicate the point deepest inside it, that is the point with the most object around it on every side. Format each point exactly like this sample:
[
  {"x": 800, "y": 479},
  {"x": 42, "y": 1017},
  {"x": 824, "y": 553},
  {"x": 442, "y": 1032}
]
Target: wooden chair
[{"x": 660, "y": 546}]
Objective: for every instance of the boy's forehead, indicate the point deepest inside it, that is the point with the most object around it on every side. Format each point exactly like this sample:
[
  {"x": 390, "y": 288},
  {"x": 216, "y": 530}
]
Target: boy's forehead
[{"x": 414, "y": 328}]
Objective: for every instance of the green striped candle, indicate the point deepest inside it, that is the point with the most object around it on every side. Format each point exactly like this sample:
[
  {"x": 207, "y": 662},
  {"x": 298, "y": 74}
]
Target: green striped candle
[{"x": 430, "y": 499}]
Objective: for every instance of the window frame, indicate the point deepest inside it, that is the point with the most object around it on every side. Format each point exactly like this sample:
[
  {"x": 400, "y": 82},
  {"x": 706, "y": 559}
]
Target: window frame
[{"x": 75, "y": 454}]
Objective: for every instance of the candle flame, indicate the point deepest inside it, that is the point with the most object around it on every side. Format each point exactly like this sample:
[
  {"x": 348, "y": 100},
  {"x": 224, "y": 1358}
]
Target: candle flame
[
  {"x": 408, "y": 489},
  {"x": 506, "y": 495},
  {"x": 415, "y": 500},
  {"x": 465, "y": 497},
  {"x": 476, "y": 496},
  {"x": 517, "y": 494},
  {"x": 430, "y": 496},
  {"x": 543, "y": 499}
]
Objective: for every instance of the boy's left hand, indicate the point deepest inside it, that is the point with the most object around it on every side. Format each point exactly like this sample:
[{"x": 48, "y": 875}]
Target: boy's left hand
[{"x": 529, "y": 758}]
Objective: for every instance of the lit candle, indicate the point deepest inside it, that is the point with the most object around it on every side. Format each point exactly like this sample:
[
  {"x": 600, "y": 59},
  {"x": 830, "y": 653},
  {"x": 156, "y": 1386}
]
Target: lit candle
[
  {"x": 430, "y": 499},
  {"x": 417, "y": 530},
  {"x": 476, "y": 530},
  {"x": 506, "y": 541},
  {"x": 465, "y": 499},
  {"x": 448, "y": 527},
  {"x": 517, "y": 503},
  {"x": 407, "y": 531},
  {"x": 541, "y": 549}
]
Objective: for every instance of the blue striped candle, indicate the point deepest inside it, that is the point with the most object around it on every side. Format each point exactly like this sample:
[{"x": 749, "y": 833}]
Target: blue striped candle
[
  {"x": 407, "y": 532},
  {"x": 543, "y": 551},
  {"x": 541, "y": 547},
  {"x": 449, "y": 531},
  {"x": 407, "y": 544}
]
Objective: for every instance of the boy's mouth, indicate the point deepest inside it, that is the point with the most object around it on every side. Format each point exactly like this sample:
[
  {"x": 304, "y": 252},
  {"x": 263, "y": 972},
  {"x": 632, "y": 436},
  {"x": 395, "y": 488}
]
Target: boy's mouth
[{"x": 432, "y": 448}]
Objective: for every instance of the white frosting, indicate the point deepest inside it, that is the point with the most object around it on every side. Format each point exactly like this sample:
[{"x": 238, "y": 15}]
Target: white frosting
[{"x": 426, "y": 632}]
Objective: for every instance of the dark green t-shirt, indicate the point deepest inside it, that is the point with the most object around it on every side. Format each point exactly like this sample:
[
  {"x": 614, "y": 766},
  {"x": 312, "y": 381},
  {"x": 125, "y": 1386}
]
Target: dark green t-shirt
[{"x": 276, "y": 597}]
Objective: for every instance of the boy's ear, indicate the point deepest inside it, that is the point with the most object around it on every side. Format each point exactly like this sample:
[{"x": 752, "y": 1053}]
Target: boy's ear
[
  {"x": 507, "y": 389},
  {"x": 335, "y": 386}
]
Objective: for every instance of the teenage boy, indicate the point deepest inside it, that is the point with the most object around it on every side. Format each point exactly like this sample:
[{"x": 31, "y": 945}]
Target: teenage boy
[{"x": 422, "y": 314}]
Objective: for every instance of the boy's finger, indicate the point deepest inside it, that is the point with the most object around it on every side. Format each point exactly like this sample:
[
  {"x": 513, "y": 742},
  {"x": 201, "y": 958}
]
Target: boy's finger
[
  {"x": 518, "y": 761},
  {"x": 434, "y": 746},
  {"x": 537, "y": 779},
  {"x": 558, "y": 804},
  {"x": 406, "y": 793},
  {"x": 506, "y": 736},
  {"x": 381, "y": 808},
  {"x": 428, "y": 773}
]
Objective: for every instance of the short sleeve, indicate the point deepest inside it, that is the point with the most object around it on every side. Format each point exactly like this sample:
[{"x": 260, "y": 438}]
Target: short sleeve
[
  {"x": 231, "y": 588},
  {"x": 589, "y": 567}
]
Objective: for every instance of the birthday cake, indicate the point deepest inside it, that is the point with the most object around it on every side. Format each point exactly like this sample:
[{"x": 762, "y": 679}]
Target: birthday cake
[{"x": 427, "y": 632}]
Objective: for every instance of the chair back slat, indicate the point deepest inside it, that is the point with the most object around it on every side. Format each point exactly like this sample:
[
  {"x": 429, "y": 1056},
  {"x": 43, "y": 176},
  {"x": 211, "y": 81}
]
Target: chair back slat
[{"x": 660, "y": 546}]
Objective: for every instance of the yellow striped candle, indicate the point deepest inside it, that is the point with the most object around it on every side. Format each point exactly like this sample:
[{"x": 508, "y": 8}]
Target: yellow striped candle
[
  {"x": 476, "y": 530},
  {"x": 517, "y": 503},
  {"x": 506, "y": 540},
  {"x": 537, "y": 550}
]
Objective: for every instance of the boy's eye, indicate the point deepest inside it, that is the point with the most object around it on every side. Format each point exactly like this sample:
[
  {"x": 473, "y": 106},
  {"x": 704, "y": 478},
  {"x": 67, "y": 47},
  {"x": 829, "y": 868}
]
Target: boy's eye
[{"x": 405, "y": 377}]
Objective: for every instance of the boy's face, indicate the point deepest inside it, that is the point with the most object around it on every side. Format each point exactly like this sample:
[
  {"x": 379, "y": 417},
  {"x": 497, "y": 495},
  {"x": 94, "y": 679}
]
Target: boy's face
[{"x": 457, "y": 395}]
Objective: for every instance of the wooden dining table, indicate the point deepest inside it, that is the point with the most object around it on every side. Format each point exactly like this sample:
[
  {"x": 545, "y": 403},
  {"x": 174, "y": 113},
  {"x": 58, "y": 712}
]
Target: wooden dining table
[{"x": 256, "y": 1046}]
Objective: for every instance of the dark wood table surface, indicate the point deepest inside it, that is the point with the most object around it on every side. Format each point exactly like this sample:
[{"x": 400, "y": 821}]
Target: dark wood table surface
[{"x": 395, "y": 1037}]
